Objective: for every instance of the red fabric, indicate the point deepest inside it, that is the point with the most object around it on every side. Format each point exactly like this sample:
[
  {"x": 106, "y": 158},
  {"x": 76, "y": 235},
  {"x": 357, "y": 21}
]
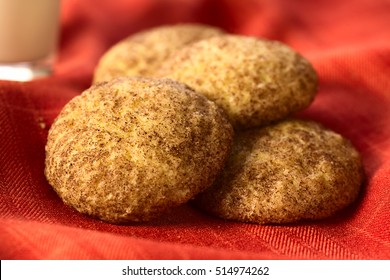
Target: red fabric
[{"x": 349, "y": 45}]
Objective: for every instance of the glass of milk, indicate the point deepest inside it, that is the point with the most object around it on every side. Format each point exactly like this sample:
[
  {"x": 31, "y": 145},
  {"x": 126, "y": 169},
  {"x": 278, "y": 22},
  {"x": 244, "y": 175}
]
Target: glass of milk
[{"x": 28, "y": 38}]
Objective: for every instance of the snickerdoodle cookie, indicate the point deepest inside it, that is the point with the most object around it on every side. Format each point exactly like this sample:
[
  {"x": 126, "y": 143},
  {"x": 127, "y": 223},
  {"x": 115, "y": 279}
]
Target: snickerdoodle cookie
[
  {"x": 290, "y": 171},
  {"x": 141, "y": 53},
  {"x": 255, "y": 81},
  {"x": 129, "y": 149}
]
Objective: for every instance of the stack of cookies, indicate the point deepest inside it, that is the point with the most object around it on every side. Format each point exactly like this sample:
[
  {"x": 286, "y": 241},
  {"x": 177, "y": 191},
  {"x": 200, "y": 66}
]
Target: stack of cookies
[{"x": 189, "y": 112}]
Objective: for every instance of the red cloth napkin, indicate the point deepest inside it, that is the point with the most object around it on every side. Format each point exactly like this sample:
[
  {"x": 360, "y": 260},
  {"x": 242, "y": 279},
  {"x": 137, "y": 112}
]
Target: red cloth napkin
[{"x": 348, "y": 44}]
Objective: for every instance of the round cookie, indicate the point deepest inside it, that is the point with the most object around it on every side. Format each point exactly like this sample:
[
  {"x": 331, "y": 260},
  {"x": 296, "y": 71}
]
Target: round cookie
[
  {"x": 255, "y": 81},
  {"x": 140, "y": 54},
  {"x": 132, "y": 148},
  {"x": 290, "y": 171}
]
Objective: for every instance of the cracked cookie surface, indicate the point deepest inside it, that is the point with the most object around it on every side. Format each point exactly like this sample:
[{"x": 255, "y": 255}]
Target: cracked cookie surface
[
  {"x": 290, "y": 171},
  {"x": 255, "y": 81},
  {"x": 132, "y": 148},
  {"x": 142, "y": 53}
]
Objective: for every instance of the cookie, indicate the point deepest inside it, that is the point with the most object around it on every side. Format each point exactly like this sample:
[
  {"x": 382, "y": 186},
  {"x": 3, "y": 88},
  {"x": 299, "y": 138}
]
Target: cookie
[
  {"x": 255, "y": 81},
  {"x": 291, "y": 171},
  {"x": 132, "y": 148},
  {"x": 140, "y": 54}
]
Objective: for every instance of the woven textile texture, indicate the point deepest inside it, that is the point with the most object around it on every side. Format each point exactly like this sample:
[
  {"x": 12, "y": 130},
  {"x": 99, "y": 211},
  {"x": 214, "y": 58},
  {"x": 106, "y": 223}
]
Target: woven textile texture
[{"x": 349, "y": 46}]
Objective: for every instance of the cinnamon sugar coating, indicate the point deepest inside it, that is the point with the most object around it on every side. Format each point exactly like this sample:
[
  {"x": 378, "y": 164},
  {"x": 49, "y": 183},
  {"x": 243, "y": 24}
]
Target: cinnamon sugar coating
[
  {"x": 132, "y": 148},
  {"x": 255, "y": 81},
  {"x": 142, "y": 53},
  {"x": 290, "y": 171}
]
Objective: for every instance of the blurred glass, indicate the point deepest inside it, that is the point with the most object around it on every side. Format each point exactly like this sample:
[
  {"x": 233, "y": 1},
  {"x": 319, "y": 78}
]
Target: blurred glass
[{"x": 28, "y": 38}]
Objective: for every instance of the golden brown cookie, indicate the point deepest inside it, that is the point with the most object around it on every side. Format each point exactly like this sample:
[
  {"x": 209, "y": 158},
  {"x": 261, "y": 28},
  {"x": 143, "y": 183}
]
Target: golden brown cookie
[
  {"x": 283, "y": 173},
  {"x": 255, "y": 81},
  {"x": 131, "y": 148},
  {"x": 140, "y": 54}
]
